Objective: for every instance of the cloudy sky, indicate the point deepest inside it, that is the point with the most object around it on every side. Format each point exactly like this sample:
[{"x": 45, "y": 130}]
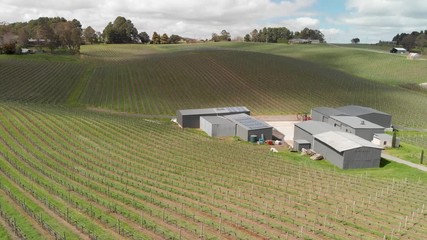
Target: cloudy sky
[{"x": 339, "y": 20}]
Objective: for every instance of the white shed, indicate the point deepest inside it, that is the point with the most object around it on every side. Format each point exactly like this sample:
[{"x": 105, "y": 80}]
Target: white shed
[{"x": 217, "y": 126}]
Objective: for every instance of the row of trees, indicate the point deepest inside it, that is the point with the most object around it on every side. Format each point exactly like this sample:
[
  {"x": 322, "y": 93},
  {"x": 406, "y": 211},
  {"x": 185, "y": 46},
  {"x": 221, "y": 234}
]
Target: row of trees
[
  {"x": 47, "y": 32},
  {"x": 412, "y": 41},
  {"x": 53, "y": 33},
  {"x": 282, "y": 35}
]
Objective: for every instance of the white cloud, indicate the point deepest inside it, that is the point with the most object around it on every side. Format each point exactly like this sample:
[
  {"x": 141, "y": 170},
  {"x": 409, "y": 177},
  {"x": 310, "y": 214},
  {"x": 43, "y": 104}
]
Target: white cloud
[
  {"x": 374, "y": 20},
  {"x": 300, "y": 23}
]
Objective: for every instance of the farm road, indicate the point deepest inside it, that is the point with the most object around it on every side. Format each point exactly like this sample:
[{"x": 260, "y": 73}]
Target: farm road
[{"x": 395, "y": 159}]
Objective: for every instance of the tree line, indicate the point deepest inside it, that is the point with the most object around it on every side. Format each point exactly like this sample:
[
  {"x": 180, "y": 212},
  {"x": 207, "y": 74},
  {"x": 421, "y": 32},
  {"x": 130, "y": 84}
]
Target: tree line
[
  {"x": 59, "y": 33},
  {"x": 282, "y": 35},
  {"x": 414, "y": 41}
]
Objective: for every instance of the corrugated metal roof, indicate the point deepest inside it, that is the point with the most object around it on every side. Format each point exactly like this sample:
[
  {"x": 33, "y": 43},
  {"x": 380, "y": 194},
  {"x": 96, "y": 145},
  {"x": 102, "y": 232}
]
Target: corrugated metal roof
[
  {"x": 354, "y": 110},
  {"x": 329, "y": 111},
  {"x": 217, "y": 120},
  {"x": 223, "y": 110},
  {"x": 247, "y": 121},
  {"x": 357, "y": 122},
  {"x": 342, "y": 141},
  {"x": 315, "y": 127}
]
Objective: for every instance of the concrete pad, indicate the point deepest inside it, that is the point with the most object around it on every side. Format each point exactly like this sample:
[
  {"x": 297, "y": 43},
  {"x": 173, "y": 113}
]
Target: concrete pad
[{"x": 285, "y": 127}]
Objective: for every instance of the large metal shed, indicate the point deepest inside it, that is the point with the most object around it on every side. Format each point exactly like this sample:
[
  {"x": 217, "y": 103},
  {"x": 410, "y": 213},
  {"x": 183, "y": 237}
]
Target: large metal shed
[
  {"x": 191, "y": 117},
  {"x": 367, "y": 113},
  {"x": 306, "y": 130},
  {"x": 217, "y": 126},
  {"x": 247, "y": 126},
  {"x": 323, "y": 114},
  {"x": 347, "y": 151},
  {"x": 357, "y": 126}
]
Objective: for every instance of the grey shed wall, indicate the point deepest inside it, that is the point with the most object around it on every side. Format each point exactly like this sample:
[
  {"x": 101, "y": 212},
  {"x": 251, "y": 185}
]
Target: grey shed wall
[
  {"x": 365, "y": 133},
  {"x": 299, "y": 144},
  {"x": 363, "y": 157},
  {"x": 191, "y": 117},
  {"x": 302, "y": 134},
  {"x": 245, "y": 134},
  {"x": 217, "y": 127}
]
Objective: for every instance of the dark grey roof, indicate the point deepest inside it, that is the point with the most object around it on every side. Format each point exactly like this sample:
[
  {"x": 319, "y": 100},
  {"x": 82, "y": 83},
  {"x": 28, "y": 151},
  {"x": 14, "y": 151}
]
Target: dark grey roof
[
  {"x": 354, "y": 110},
  {"x": 342, "y": 141},
  {"x": 315, "y": 127},
  {"x": 357, "y": 122},
  {"x": 217, "y": 120},
  {"x": 327, "y": 111},
  {"x": 247, "y": 121},
  {"x": 219, "y": 111}
]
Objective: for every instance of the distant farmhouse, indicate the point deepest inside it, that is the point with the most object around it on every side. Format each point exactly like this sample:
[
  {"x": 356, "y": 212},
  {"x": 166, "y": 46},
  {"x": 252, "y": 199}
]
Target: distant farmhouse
[
  {"x": 398, "y": 50},
  {"x": 222, "y": 122},
  {"x": 349, "y": 137}
]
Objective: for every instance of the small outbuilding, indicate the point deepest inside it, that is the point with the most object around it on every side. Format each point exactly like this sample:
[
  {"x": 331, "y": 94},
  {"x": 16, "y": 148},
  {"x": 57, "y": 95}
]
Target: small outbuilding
[
  {"x": 347, "y": 151},
  {"x": 398, "y": 50},
  {"x": 385, "y": 140},
  {"x": 299, "y": 144},
  {"x": 305, "y": 130},
  {"x": 357, "y": 126},
  {"x": 322, "y": 114},
  {"x": 217, "y": 126},
  {"x": 246, "y": 126},
  {"x": 367, "y": 113},
  {"x": 191, "y": 117}
]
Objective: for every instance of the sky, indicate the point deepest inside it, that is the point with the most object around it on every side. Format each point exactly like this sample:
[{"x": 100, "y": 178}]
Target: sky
[{"x": 339, "y": 20}]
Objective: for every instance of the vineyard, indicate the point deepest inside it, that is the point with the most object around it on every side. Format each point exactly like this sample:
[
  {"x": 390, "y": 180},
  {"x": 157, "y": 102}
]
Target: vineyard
[{"x": 68, "y": 174}]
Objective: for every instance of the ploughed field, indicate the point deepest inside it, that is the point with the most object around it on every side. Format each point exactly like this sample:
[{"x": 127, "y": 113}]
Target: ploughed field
[
  {"x": 68, "y": 172},
  {"x": 71, "y": 174}
]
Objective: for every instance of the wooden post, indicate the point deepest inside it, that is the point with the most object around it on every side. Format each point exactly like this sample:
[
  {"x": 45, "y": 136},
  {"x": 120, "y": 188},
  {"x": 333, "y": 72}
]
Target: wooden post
[{"x": 422, "y": 157}]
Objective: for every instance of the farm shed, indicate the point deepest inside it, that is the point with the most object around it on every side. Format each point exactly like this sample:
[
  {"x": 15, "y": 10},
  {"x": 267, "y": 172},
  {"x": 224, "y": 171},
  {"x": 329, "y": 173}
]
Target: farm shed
[
  {"x": 217, "y": 126},
  {"x": 398, "y": 50},
  {"x": 347, "y": 151},
  {"x": 385, "y": 140},
  {"x": 323, "y": 114},
  {"x": 247, "y": 126},
  {"x": 370, "y": 114},
  {"x": 357, "y": 126},
  {"x": 299, "y": 144},
  {"x": 306, "y": 130},
  {"x": 191, "y": 117}
]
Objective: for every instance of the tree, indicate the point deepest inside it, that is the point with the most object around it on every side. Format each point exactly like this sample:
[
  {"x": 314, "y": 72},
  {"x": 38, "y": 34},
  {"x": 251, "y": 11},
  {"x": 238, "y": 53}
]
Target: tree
[
  {"x": 247, "y": 38},
  {"x": 69, "y": 35},
  {"x": 156, "y": 38},
  {"x": 90, "y": 36},
  {"x": 120, "y": 31},
  {"x": 355, "y": 40},
  {"x": 164, "y": 39},
  {"x": 215, "y": 37},
  {"x": 408, "y": 42},
  {"x": 254, "y": 35},
  {"x": 174, "y": 39},
  {"x": 421, "y": 41},
  {"x": 225, "y": 36},
  {"x": 144, "y": 38}
]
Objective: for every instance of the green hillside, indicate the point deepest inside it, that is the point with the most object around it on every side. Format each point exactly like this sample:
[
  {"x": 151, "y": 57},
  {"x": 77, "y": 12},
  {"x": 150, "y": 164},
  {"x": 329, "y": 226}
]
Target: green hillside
[{"x": 69, "y": 172}]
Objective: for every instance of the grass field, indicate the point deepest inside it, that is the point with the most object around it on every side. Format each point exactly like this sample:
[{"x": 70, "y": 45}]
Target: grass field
[{"x": 67, "y": 172}]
